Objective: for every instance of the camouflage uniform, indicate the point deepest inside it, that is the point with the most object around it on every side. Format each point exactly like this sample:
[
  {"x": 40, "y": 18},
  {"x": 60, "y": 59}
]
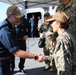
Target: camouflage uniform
[
  {"x": 47, "y": 48},
  {"x": 70, "y": 10},
  {"x": 63, "y": 54}
]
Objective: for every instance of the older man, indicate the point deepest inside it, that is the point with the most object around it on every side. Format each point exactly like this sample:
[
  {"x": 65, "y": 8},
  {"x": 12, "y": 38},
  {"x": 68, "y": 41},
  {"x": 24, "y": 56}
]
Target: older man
[{"x": 8, "y": 42}]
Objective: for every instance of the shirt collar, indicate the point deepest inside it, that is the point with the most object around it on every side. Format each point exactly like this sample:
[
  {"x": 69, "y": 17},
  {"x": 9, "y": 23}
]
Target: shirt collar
[
  {"x": 9, "y": 25},
  {"x": 69, "y": 4}
]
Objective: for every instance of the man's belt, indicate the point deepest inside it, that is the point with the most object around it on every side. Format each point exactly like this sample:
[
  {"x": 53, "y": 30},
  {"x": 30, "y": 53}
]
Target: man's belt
[{"x": 4, "y": 58}]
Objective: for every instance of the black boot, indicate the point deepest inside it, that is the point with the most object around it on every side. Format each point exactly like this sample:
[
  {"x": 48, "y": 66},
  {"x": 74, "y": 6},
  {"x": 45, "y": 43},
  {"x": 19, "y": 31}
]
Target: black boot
[{"x": 22, "y": 70}]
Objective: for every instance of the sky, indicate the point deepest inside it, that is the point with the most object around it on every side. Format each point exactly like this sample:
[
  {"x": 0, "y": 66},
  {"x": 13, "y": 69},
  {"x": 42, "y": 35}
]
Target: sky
[{"x": 3, "y": 8}]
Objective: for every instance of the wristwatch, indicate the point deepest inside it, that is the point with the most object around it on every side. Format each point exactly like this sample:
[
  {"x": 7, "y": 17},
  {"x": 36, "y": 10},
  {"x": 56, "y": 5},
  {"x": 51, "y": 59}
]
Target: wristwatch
[{"x": 36, "y": 57}]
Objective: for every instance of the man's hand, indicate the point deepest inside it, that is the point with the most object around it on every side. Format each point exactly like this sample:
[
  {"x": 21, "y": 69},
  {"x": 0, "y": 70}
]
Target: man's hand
[
  {"x": 25, "y": 37},
  {"x": 41, "y": 58}
]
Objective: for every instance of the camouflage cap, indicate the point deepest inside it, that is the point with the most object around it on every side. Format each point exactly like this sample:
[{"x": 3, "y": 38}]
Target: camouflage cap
[
  {"x": 59, "y": 16},
  {"x": 14, "y": 10}
]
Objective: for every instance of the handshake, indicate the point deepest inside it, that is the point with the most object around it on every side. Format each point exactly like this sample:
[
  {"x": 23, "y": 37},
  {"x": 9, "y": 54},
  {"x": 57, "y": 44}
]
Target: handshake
[{"x": 39, "y": 57}]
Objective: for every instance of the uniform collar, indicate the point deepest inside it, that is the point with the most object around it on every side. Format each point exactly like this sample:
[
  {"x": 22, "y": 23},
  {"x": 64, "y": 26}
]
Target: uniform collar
[
  {"x": 68, "y": 5},
  {"x": 9, "y": 25}
]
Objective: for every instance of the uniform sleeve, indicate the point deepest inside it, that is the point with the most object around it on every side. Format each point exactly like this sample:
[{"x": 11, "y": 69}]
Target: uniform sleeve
[
  {"x": 41, "y": 29},
  {"x": 8, "y": 40},
  {"x": 54, "y": 50},
  {"x": 50, "y": 29},
  {"x": 54, "y": 36},
  {"x": 63, "y": 45},
  {"x": 49, "y": 57}
]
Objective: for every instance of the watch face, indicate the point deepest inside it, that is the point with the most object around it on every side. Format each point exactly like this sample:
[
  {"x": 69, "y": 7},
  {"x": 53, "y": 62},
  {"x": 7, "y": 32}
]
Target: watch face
[{"x": 36, "y": 57}]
